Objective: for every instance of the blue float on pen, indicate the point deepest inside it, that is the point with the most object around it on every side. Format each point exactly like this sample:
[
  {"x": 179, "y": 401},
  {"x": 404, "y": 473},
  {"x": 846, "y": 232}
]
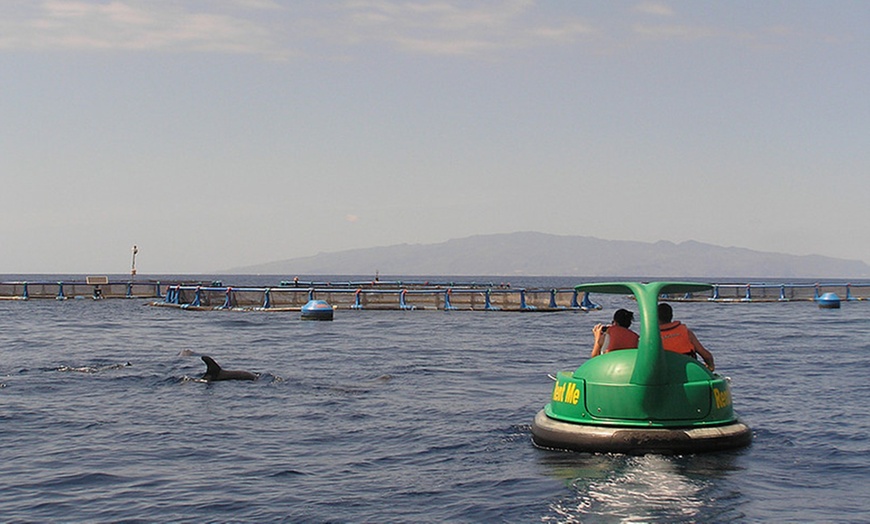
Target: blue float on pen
[{"x": 317, "y": 310}]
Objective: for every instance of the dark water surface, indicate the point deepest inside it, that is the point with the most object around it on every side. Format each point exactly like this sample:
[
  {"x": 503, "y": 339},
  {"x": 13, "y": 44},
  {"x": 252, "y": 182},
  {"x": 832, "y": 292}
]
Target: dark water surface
[{"x": 417, "y": 416}]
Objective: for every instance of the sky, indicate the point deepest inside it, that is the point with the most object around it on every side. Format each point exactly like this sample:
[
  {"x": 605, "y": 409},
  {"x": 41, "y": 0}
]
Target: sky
[{"x": 214, "y": 134}]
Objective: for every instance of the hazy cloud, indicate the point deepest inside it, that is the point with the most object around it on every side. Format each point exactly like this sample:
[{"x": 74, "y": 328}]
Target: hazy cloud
[
  {"x": 654, "y": 8},
  {"x": 68, "y": 25},
  {"x": 276, "y": 31},
  {"x": 265, "y": 27},
  {"x": 678, "y": 31},
  {"x": 457, "y": 27}
]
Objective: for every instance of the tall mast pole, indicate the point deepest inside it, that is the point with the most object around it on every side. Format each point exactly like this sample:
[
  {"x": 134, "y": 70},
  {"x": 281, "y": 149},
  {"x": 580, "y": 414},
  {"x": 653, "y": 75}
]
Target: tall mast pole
[{"x": 133, "y": 267}]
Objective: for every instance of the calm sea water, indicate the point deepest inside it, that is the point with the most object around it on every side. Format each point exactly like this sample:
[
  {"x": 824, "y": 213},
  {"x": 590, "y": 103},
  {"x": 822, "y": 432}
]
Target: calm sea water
[{"x": 414, "y": 416}]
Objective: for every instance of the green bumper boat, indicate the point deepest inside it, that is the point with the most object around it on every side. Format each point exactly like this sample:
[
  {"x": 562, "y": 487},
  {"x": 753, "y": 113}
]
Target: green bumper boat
[{"x": 644, "y": 400}]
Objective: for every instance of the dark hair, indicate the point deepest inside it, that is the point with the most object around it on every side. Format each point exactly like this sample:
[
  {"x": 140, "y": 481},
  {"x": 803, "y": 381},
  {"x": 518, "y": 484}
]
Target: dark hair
[
  {"x": 666, "y": 313},
  {"x": 623, "y": 317}
]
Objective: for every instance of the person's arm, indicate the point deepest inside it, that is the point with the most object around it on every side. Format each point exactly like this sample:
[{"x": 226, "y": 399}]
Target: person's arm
[
  {"x": 598, "y": 345},
  {"x": 701, "y": 350}
]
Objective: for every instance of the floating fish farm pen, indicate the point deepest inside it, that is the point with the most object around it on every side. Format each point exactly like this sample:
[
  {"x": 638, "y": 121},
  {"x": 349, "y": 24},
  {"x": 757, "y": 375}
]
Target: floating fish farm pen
[
  {"x": 765, "y": 292},
  {"x": 457, "y": 297},
  {"x": 396, "y": 295},
  {"x": 92, "y": 287}
]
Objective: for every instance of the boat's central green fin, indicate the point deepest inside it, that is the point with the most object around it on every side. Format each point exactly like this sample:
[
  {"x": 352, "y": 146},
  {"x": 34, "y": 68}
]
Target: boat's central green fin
[
  {"x": 649, "y": 369},
  {"x": 620, "y": 288}
]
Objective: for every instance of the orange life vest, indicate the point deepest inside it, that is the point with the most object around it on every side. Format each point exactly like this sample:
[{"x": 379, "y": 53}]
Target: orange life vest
[
  {"x": 675, "y": 337},
  {"x": 621, "y": 338}
]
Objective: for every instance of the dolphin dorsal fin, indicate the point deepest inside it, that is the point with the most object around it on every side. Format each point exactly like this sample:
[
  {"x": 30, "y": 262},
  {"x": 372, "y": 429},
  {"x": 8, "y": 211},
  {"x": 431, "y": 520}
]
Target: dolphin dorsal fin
[{"x": 212, "y": 367}]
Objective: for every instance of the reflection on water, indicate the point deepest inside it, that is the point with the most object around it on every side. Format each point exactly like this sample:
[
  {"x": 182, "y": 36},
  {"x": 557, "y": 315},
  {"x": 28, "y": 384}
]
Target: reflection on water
[{"x": 649, "y": 488}]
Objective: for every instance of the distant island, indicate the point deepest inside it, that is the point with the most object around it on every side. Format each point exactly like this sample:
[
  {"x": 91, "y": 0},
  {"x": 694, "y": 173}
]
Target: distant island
[{"x": 540, "y": 254}]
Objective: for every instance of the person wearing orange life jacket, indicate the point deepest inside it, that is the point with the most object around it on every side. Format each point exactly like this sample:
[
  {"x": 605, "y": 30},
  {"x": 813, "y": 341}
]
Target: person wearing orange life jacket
[
  {"x": 678, "y": 338},
  {"x": 616, "y": 335}
]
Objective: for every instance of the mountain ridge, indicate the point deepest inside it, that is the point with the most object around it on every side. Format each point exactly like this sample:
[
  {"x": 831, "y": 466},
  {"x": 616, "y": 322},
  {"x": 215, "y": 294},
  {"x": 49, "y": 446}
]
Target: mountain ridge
[{"x": 531, "y": 253}]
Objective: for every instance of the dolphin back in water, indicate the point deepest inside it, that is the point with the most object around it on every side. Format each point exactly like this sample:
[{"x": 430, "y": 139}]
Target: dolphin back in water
[{"x": 215, "y": 372}]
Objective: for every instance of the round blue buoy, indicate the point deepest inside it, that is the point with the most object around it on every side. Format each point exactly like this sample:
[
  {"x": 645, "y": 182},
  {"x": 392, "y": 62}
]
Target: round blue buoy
[
  {"x": 829, "y": 301},
  {"x": 317, "y": 310}
]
